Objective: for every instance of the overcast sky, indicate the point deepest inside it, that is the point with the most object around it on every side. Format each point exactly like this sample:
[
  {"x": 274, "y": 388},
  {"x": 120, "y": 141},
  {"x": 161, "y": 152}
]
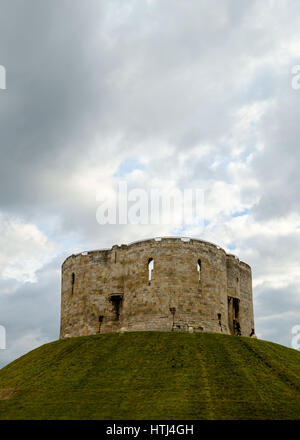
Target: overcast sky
[{"x": 165, "y": 93}]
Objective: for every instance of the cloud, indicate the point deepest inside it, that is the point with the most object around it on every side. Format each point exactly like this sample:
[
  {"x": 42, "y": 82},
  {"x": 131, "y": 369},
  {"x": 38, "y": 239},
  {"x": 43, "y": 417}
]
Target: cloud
[
  {"x": 30, "y": 311},
  {"x": 23, "y": 250}
]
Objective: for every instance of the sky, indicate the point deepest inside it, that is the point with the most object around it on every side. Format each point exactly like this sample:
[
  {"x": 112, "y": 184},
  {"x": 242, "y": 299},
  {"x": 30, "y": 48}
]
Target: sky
[{"x": 168, "y": 94}]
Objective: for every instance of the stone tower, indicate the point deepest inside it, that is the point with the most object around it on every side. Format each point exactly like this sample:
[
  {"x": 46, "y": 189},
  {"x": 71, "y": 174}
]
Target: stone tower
[{"x": 163, "y": 284}]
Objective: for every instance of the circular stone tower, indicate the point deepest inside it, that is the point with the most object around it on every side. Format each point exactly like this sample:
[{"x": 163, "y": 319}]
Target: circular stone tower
[{"x": 163, "y": 284}]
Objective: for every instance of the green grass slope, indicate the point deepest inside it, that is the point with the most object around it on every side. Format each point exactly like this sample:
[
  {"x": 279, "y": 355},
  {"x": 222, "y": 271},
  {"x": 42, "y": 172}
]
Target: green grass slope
[{"x": 153, "y": 375}]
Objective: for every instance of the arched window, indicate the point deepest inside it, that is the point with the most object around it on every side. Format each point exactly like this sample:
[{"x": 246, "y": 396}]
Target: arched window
[
  {"x": 150, "y": 268},
  {"x": 199, "y": 269}
]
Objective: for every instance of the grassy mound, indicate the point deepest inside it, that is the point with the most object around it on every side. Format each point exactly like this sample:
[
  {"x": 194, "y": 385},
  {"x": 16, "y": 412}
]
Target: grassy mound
[{"x": 153, "y": 375}]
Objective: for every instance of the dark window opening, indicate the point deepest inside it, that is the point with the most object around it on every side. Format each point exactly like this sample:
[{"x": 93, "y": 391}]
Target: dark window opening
[
  {"x": 116, "y": 301},
  {"x": 236, "y": 307},
  {"x": 73, "y": 282},
  {"x": 150, "y": 268},
  {"x": 199, "y": 269},
  {"x": 220, "y": 320},
  {"x": 100, "y": 320},
  {"x": 234, "y": 316}
]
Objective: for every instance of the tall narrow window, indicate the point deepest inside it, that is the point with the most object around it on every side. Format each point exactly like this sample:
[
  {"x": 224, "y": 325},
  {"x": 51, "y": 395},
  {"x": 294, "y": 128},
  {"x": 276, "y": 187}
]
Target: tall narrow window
[
  {"x": 199, "y": 269},
  {"x": 236, "y": 308},
  {"x": 150, "y": 268},
  {"x": 220, "y": 320},
  {"x": 117, "y": 303},
  {"x": 73, "y": 282}
]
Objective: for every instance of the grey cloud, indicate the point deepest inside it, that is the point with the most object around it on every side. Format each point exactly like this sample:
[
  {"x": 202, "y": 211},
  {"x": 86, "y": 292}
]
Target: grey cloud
[
  {"x": 271, "y": 322},
  {"x": 31, "y": 312}
]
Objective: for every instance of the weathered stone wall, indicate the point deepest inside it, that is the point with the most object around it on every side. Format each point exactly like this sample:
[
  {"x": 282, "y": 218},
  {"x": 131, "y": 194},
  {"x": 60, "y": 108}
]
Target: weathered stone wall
[{"x": 115, "y": 284}]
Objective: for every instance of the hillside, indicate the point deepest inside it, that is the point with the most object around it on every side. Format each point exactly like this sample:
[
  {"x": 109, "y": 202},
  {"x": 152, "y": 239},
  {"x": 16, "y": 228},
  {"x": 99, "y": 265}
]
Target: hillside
[{"x": 152, "y": 375}]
